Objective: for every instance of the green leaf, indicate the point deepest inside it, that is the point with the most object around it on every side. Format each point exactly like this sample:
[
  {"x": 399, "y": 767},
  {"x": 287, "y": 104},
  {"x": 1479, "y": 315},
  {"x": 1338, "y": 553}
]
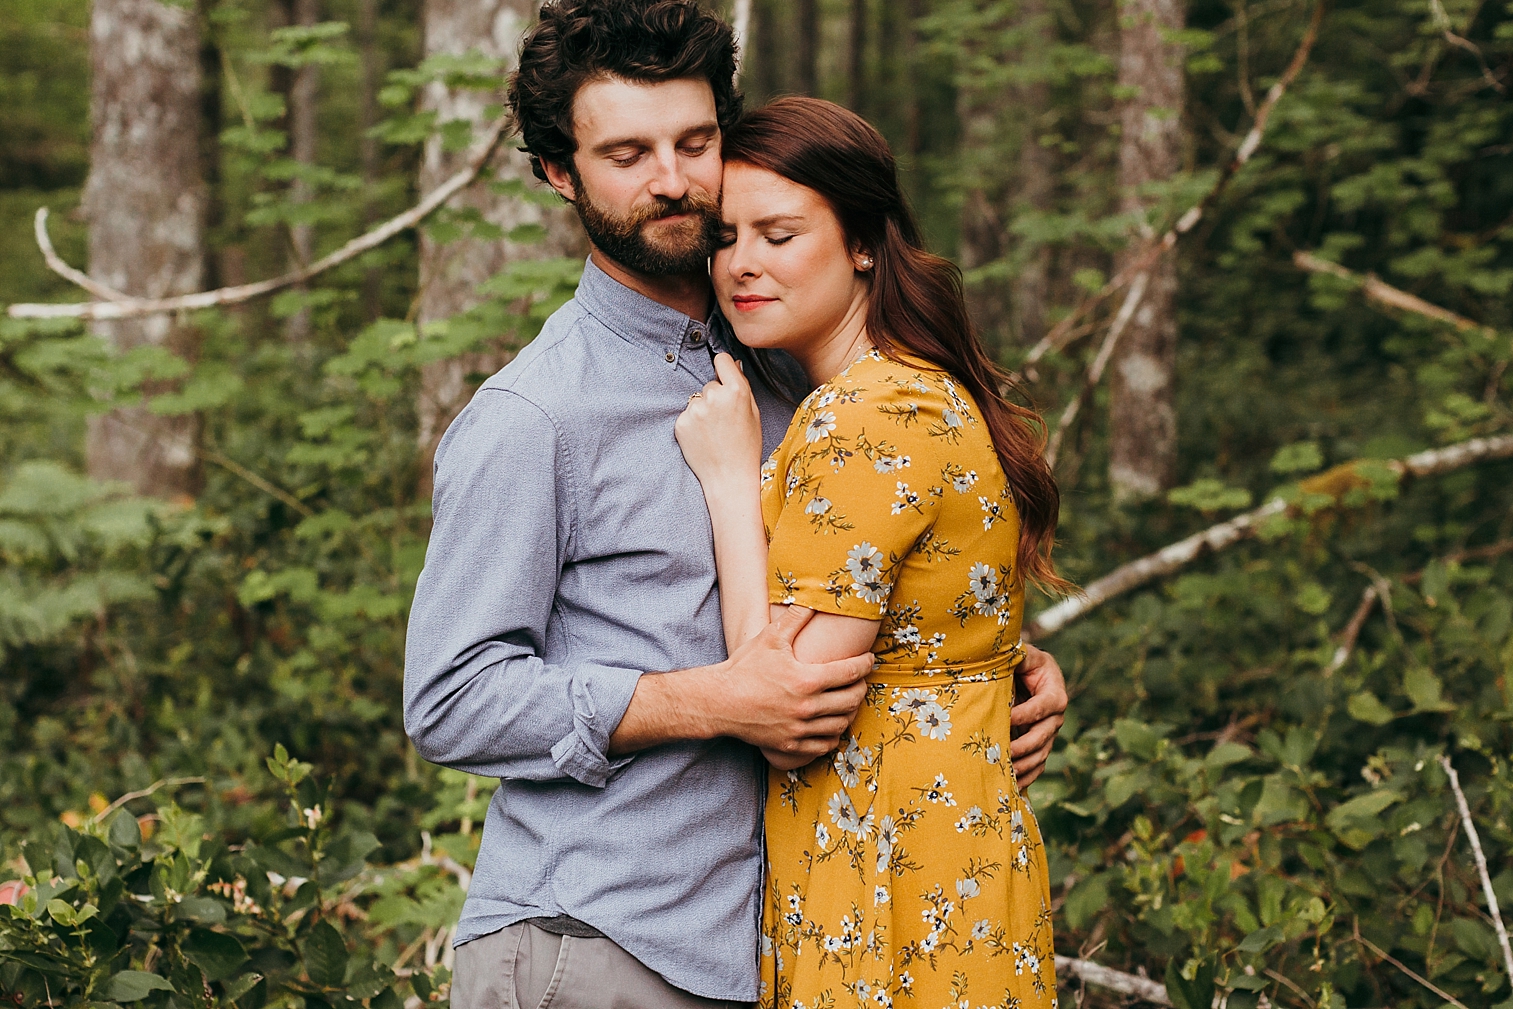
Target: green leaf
[
  {"x": 1261, "y": 940},
  {"x": 325, "y": 955},
  {"x": 1086, "y": 900},
  {"x": 134, "y": 985},
  {"x": 1425, "y": 690},
  {"x": 216, "y": 953},
  {"x": 124, "y": 831},
  {"x": 1196, "y": 992},
  {"x": 1300, "y": 457},
  {"x": 1209, "y": 495},
  {"x": 237, "y": 987},
  {"x": 1364, "y": 707}
]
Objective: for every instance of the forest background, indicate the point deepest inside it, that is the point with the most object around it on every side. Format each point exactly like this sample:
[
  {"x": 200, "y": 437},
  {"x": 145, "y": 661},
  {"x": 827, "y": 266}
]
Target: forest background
[{"x": 1253, "y": 259}]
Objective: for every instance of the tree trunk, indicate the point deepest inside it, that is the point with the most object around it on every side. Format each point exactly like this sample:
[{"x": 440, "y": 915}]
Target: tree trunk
[
  {"x": 450, "y": 273},
  {"x": 856, "y": 69},
  {"x": 1036, "y": 180},
  {"x": 982, "y": 236},
  {"x": 145, "y": 201},
  {"x": 806, "y": 57},
  {"x": 303, "y": 134},
  {"x": 761, "y": 76},
  {"x": 372, "y": 73},
  {"x": 1142, "y": 412}
]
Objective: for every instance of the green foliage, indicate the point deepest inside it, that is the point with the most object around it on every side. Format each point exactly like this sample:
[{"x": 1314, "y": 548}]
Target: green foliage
[{"x": 266, "y": 909}]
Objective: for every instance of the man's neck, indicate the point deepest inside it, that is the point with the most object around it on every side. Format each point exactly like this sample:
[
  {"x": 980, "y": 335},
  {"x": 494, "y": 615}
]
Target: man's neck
[{"x": 688, "y": 293}]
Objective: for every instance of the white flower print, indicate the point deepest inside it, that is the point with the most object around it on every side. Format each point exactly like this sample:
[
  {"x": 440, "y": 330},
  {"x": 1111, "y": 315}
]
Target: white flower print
[
  {"x": 905, "y": 980},
  {"x": 822, "y": 836},
  {"x": 907, "y": 637},
  {"x": 819, "y": 426},
  {"x": 951, "y": 418},
  {"x": 832, "y": 943},
  {"x": 982, "y": 929},
  {"x": 933, "y": 721},
  {"x": 966, "y": 889},
  {"x": 929, "y": 942},
  {"x": 993, "y": 754},
  {"x": 890, "y": 463},
  {"x": 937, "y": 792},
  {"x": 864, "y": 561},
  {"x": 824, "y": 399},
  {"x": 983, "y": 581},
  {"x": 843, "y": 813},
  {"x": 972, "y": 819},
  {"x": 879, "y": 896},
  {"x": 766, "y": 945},
  {"x": 992, "y": 512},
  {"x": 963, "y": 482},
  {"x": 906, "y": 498},
  {"x": 818, "y": 506},
  {"x": 851, "y": 761},
  {"x": 913, "y": 701},
  {"x": 887, "y": 837}
]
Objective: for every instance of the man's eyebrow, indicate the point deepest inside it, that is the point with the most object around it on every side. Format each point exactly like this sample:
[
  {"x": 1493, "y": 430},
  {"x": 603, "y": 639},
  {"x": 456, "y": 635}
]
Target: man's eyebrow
[{"x": 704, "y": 129}]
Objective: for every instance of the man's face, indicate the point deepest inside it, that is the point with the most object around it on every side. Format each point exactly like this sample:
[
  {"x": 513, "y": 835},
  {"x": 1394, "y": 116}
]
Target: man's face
[{"x": 646, "y": 176}]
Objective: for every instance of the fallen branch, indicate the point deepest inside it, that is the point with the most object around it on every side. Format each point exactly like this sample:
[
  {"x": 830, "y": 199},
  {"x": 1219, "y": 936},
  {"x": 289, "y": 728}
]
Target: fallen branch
[
  {"x": 57, "y": 265},
  {"x": 1481, "y": 864},
  {"x": 1095, "y": 370},
  {"x": 1386, "y": 294},
  {"x": 1189, "y": 220},
  {"x": 1176, "y": 556},
  {"x": 1113, "y": 980},
  {"x": 115, "y": 305}
]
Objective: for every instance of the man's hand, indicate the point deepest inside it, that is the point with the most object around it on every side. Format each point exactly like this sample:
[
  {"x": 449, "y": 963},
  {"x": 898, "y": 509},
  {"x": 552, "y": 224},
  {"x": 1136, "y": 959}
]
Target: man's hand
[
  {"x": 794, "y": 711},
  {"x": 1040, "y": 716}
]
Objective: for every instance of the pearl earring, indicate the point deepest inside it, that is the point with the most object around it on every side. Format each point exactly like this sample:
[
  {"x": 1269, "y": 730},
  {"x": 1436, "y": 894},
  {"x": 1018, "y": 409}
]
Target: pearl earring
[{"x": 866, "y": 263}]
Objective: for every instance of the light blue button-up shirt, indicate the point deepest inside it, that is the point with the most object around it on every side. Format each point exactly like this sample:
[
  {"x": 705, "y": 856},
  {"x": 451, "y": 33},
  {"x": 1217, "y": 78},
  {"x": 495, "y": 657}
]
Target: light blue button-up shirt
[{"x": 571, "y": 555}]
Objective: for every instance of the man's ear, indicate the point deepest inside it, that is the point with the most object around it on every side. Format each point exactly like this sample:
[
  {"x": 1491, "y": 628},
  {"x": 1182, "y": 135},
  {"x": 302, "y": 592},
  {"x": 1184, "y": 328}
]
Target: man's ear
[{"x": 560, "y": 179}]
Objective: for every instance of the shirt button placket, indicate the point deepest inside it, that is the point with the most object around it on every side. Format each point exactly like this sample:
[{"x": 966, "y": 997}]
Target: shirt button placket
[{"x": 670, "y": 357}]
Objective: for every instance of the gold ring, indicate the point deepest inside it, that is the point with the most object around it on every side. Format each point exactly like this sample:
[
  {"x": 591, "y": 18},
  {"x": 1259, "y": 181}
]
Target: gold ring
[{"x": 697, "y": 395}]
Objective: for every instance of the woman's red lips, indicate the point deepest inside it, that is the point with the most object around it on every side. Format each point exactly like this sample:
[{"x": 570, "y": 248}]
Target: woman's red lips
[{"x": 750, "y": 302}]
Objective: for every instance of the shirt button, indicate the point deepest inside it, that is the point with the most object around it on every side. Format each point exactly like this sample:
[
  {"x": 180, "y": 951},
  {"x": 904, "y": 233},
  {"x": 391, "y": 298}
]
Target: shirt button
[
  {"x": 671, "y": 357},
  {"x": 698, "y": 337}
]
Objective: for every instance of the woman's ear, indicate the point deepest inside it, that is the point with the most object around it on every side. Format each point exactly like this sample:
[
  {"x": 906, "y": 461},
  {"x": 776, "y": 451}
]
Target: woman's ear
[{"x": 861, "y": 259}]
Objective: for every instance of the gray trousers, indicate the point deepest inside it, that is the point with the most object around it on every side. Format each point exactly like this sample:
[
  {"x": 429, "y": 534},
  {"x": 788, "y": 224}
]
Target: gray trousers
[{"x": 524, "y": 967}]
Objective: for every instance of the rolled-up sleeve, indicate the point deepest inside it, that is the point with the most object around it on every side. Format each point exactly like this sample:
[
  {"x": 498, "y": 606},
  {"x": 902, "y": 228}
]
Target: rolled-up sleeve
[{"x": 478, "y": 696}]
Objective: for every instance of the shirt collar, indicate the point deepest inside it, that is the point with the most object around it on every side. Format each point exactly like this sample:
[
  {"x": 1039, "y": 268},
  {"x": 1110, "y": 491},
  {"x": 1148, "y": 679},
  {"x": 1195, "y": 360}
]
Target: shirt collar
[{"x": 642, "y": 322}]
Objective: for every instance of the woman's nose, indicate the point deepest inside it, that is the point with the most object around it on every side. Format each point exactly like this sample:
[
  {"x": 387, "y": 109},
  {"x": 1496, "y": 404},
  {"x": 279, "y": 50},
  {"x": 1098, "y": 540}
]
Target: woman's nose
[{"x": 743, "y": 264}]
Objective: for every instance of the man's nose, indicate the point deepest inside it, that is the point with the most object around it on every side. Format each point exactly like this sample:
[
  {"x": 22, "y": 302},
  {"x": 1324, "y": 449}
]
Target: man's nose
[{"x": 669, "y": 180}]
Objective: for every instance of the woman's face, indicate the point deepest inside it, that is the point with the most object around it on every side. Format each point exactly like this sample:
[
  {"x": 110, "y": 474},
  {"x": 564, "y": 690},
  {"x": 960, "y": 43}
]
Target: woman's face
[{"x": 783, "y": 274}]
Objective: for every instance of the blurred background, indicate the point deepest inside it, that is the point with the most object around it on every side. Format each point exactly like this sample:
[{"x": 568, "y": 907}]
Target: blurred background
[{"x": 211, "y": 522}]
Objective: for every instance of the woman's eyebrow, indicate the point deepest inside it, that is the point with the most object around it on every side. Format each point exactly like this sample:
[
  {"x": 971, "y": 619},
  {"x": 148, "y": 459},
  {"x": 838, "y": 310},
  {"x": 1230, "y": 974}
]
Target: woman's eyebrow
[{"x": 771, "y": 219}]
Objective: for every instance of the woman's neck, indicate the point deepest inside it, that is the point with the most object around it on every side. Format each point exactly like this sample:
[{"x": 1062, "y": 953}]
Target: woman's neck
[{"x": 833, "y": 354}]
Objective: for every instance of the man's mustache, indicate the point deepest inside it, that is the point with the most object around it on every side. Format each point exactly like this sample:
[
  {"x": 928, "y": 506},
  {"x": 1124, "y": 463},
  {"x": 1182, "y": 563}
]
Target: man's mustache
[{"x": 701, "y": 204}]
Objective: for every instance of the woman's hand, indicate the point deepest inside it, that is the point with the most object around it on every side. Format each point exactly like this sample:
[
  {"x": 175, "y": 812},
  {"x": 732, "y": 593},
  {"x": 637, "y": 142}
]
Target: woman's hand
[{"x": 721, "y": 431}]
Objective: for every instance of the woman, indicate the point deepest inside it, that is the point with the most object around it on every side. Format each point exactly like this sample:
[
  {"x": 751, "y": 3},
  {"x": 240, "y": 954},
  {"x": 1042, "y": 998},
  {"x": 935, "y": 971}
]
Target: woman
[{"x": 906, "y": 505}]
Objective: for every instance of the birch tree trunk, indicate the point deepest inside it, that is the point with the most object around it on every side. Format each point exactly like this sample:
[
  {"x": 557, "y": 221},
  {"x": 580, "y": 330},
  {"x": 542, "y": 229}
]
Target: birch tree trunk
[
  {"x": 451, "y": 272},
  {"x": 145, "y": 202},
  {"x": 1142, "y": 411}
]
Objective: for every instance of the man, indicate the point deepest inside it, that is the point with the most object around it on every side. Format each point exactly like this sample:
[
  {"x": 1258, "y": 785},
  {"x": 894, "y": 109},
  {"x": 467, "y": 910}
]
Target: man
[{"x": 565, "y": 635}]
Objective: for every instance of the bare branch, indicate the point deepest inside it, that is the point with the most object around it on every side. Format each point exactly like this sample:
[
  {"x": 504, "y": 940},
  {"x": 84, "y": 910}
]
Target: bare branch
[
  {"x": 266, "y": 486},
  {"x": 1386, "y": 294},
  {"x": 57, "y": 265},
  {"x": 1352, "y": 631},
  {"x": 1406, "y": 969},
  {"x": 1114, "y": 980},
  {"x": 1095, "y": 370},
  {"x": 1189, "y": 220},
  {"x": 1481, "y": 864},
  {"x": 142, "y": 794},
  {"x": 1173, "y": 558},
  {"x": 131, "y": 308}
]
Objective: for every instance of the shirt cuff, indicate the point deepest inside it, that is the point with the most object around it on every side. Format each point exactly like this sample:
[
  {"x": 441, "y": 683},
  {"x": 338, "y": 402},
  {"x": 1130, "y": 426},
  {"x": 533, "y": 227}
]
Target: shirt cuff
[{"x": 601, "y": 695}]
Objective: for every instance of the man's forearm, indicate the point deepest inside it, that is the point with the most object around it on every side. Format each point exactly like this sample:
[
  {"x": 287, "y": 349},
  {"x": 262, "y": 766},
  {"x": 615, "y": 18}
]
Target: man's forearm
[{"x": 665, "y": 708}]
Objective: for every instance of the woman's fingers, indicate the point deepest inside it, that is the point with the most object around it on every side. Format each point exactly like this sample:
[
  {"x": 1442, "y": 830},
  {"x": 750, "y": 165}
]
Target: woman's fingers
[{"x": 730, "y": 371}]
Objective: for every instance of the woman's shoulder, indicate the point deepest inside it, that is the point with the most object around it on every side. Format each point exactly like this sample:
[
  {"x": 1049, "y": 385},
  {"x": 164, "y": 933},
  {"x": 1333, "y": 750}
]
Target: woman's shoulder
[{"x": 903, "y": 394}]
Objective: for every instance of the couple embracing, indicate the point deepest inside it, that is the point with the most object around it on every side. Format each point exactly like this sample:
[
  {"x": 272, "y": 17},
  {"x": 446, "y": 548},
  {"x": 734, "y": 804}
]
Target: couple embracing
[{"x": 727, "y": 572}]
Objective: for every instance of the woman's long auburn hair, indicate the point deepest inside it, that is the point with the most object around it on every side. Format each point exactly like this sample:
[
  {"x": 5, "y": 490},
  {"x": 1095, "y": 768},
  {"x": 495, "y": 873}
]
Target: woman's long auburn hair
[{"x": 916, "y": 305}]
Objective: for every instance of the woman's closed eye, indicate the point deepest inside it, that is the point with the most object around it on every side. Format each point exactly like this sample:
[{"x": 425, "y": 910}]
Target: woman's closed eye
[{"x": 778, "y": 239}]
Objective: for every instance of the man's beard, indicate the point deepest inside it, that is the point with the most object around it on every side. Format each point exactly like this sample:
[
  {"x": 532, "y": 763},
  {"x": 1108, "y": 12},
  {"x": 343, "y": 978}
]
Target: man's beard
[{"x": 684, "y": 248}]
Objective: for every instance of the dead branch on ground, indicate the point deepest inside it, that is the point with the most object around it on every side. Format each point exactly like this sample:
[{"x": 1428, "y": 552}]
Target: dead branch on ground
[
  {"x": 1114, "y": 980},
  {"x": 1142, "y": 263},
  {"x": 115, "y": 305},
  {"x": 1170, "y": 559}
]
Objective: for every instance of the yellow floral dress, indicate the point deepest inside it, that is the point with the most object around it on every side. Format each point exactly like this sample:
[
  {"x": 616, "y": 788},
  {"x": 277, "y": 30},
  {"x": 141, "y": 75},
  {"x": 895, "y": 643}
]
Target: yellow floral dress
[{"x": 905, "y": 869}]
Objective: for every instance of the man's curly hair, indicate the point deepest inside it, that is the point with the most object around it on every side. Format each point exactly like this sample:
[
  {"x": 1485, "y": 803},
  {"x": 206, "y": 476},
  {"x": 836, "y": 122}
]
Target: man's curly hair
[{"x": 576, "y": 41}]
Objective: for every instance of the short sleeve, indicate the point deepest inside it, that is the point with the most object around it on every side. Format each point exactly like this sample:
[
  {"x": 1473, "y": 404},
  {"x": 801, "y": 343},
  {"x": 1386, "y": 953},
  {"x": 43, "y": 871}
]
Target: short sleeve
[{"x": 856, "y": 498}]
